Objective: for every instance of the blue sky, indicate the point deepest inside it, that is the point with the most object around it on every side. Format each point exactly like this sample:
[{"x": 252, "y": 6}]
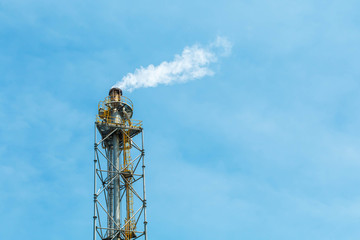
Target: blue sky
[{"x": 267, "y": 148}]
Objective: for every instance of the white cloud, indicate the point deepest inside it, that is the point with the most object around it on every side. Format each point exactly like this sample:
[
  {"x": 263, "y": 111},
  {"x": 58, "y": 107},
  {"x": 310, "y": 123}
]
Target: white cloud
[{"x": 193, "y": 63}]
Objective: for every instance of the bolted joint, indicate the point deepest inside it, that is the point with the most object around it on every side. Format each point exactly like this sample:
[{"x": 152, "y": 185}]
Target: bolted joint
[{"x": 94, "y": 217}]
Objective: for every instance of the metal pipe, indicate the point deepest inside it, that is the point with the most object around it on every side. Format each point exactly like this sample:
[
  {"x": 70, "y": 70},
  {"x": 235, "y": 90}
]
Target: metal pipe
[
  {"x": 94, "y": 217},
  {"x": 116, "y": 164},
  {"x": 110, "y": 193},
  {"x": 144, "y": 192}
]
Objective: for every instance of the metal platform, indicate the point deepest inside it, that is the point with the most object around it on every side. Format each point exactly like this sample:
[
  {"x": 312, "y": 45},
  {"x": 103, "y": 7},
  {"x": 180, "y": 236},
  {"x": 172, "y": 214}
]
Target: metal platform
[{"x": 107, "y": 128}]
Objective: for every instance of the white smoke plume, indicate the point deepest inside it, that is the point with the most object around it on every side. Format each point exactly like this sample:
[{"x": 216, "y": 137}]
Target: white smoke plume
[{"x": 193, "y": 63}]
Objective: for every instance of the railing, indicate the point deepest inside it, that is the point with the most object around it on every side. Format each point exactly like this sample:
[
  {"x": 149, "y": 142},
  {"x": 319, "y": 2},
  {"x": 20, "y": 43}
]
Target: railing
[
  {"x": 132, "y": 123},
  {"x": 124, "y": 100},
  {"x": 104, "y": 116}
]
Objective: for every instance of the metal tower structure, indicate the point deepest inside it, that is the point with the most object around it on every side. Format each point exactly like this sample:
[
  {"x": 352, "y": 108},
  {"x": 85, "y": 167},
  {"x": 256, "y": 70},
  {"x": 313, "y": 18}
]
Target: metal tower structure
[{"x": 119, "y": 178}]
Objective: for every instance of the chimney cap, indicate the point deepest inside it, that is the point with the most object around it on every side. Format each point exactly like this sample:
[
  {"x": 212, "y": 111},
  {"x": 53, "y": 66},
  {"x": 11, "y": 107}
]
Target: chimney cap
[{"x": 115, "y": 89}]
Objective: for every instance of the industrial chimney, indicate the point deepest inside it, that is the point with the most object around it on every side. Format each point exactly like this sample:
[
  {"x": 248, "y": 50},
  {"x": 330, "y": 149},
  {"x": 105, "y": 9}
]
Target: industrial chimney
[{"x": 119, "y": 203}]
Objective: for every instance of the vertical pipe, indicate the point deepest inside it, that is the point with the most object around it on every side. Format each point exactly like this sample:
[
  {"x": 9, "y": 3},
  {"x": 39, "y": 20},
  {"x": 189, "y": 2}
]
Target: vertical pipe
[
  {"x": 110, "y": 192},
  {"x": 95, "y": 197},
  {"x": 127, "y": 227},
  {"x": 128, "y": 170},
  {"x": 143, "y": 172},
  {"x": 116, "y": 163},
  {"x": 116, "y": 159}
]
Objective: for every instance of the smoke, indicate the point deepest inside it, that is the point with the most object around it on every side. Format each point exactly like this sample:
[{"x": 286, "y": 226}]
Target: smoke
[{"x": 193, "y": 63}]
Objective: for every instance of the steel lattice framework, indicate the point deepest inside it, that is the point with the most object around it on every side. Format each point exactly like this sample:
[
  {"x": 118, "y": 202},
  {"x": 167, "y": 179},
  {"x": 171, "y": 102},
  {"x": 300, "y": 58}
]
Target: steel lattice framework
[{"x": 119, "y": 178}]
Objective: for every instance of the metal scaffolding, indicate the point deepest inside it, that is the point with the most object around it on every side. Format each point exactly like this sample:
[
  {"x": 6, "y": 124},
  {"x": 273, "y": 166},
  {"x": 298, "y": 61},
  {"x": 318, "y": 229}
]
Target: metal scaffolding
[{"x": 119, "y": 178}]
